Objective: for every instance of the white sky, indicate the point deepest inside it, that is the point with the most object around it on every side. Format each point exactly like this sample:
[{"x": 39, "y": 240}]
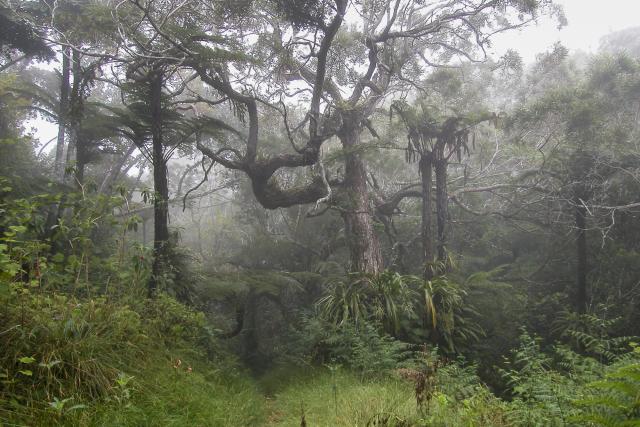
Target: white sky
[{"x": 588, "y": 21}]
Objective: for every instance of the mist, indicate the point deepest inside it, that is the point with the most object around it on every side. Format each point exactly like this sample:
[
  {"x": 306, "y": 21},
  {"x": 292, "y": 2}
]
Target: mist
[{"x": 319, "y": 213}]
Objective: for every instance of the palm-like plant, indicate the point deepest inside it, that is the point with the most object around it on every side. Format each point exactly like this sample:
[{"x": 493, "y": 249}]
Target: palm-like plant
[
  {"x": 446, "y": 313},
  {"x": 344, "y": 302},
  {"x": 392, "y": 300},
  {"x": 384, "y": 297}
]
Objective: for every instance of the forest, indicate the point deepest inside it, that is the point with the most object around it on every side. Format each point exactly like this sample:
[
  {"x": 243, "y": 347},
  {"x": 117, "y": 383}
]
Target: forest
[{"x": 316, "y": 213}]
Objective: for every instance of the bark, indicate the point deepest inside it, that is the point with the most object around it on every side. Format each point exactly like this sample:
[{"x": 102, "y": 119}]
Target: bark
[
  {"x": 76, "y": 150},
  {"x": 63, "y": 108},
  {"x": 442, "y": 201},
  {"x": 425, "y": 168},
  {"x": 268, "y": 191},
  {"x": 581, "y": 252},
  {"x": 161, "y": 189},
  {"x": 363, "y": 243}
]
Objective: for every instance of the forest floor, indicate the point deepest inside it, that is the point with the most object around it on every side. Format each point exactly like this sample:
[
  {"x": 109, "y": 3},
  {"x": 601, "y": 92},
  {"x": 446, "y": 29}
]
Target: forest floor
[{"x": 328, "y": 398}]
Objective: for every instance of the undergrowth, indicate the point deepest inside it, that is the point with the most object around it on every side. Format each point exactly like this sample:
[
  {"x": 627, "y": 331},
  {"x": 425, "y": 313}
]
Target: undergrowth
[{"x": 69, "y": 361}]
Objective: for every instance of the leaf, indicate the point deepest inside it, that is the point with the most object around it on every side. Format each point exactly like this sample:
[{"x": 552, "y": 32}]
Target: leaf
[
  {"x": 26, "y": 360},
  {"x": 26, "y": 372},
  {"x": 50, "y": 364},
  {"x": 18, "y": 228}
]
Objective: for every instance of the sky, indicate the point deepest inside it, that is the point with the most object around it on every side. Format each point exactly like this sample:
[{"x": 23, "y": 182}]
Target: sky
[{"x": 588, "y": 21}]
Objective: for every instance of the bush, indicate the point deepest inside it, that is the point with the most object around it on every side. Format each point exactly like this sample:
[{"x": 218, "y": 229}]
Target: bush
[
  {"x": 359, "y": 347},
  {"x": 614, "y": 400},
  {"x": 76, "y": 360},
  {"x": 177, "y": 325},
  {"x": 58, "y": 347}
]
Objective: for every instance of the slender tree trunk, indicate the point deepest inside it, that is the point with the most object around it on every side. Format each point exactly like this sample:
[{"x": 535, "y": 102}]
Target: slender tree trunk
[
  {"x": 425, "y": 168},
  {"x": 581, "y": 252},
  {"x": 76, "y": 148},
  {"x": 114, "y": 172},
  {"x": 144, "y": 232},
  {"x": 364, "y": 246},
  {"x": 442, "y": 202},
  {"x": 63, "y": 106},
  {"x": 161, "y": 189}
]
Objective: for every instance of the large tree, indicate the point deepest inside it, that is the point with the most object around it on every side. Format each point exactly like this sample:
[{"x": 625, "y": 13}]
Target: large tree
[
  {"x": 335, "y": 61},
  {"x": 345, "y": 71}
]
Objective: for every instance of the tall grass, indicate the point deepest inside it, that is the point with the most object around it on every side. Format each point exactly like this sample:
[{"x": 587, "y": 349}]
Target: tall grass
[
  {"x": 86, "y": 362},
  {"x": 336, "y": 398}
]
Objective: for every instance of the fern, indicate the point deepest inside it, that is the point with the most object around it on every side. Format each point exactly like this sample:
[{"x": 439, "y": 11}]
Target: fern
[
  {"x": 592, "y": 334},
  {"x": 616, "y": 398}
]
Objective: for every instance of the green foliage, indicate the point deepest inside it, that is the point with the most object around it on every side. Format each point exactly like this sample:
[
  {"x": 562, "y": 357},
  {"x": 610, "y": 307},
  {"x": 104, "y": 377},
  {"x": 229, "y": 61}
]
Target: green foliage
[
  {"x": 614, "y": 400},
  {"x": 341, "y": 399},
  {"x": 501, "y": 312},
  {"x": 197, "y": 394},
  {"x": 448, "y": 315},
  {"x": 54, "y": 241},
  {"x": 554, "y": 389},
  {"x": 344, "y": 302},
  {"x": 433, "y": 309},
  {"x": 179, "y": 326},
  {"x": 73, "y": 348},
  {"x": 361, "y": 348},
  {"x": 84, "y": 361},
  {"x": 591, "y": 334},
  {"x": 18, "y": 35}
]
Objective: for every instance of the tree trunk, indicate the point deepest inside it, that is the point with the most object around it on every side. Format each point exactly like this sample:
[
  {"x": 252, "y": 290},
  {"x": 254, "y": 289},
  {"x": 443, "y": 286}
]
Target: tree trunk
[
  {"x": 364, "y": 246},
  {"x": 63, "y": 107},
  {"x": 581, "y": 252},
  {"x": 442, "y": 201},
  {"x": 425, "y": 168},
  {"x": 161, "y": 188},
  {"x": 76, "y": 147}
]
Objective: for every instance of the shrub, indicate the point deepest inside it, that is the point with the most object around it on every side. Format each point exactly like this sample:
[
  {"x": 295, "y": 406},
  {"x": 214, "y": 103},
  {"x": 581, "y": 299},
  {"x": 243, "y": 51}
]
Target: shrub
[
  {"x": 59, "y": 347},
  {"x": 359, "y": 347},
  {"x": 614, "y": 400}
]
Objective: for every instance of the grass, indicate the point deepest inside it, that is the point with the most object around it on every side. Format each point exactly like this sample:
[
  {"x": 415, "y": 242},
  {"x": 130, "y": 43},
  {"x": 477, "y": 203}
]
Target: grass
[
  {"x": 169, "y": 396},
  {"x": 337, "y": 398},
  {"x": 71, "y": 362},
  {"x": 341, "y": 398}
]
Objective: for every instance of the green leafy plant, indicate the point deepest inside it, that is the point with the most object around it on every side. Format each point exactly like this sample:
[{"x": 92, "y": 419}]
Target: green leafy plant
[
  {"x": 614, "y": 400},
  {"x": 591, "y": 333},
  {"x": 542, "y": 396},
  {"x": 363, "y": 348},
  {"x": 62, "y": 407},
  {"x": 446, "y": 314}
]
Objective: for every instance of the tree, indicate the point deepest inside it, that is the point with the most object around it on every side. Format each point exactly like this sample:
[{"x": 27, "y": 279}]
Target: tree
[
  {"x": 312, "y": 47},
  {"x": 19, "y": 39},
  {"x": 585, "y": 126},
  {"x": 433, "y": 140},
  {"x": 308, "y": 53}
]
